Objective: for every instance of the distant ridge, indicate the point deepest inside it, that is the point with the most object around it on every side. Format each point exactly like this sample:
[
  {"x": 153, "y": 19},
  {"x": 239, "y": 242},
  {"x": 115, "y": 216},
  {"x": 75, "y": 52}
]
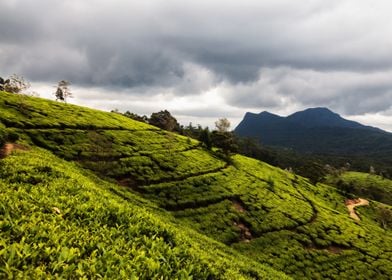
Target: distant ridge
[
  {"x": 316, "y": 130},
  {"x": 323, "y": 117}
]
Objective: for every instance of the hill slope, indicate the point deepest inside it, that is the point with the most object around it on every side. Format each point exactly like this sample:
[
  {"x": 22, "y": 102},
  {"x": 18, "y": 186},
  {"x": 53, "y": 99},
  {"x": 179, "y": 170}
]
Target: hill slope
[
  {"x": 317, "y": 130},
  {"x": 265, "y": 213},
  {"x": 60, "y": 221},
  {"x": 363, "y": 184}
]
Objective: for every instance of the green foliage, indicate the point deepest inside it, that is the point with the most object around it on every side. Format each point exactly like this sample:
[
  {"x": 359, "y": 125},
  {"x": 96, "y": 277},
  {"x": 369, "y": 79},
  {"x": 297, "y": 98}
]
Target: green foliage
[
  {"x": 7, "y": 135},
  {"x": 136, "y": 117},
  {"x": 296, "y": 227},
  {"x": 42, "y": 114},
  {"x": 3, "y": 134},
  {"x": 251, "y": 147},
  {"x": 205, "y": 138},
  {"x": 385, "y": 216},
  {"x": 312, "y": 170},
  {"x": 225, "y": 141},
  {"x": 268, "y": 215},
  {"x": 117, "y": 153},
  {"x": 364, "y": 185},
  {"x": 164, "y": 120},
  {"x": 57, "y": 222}
]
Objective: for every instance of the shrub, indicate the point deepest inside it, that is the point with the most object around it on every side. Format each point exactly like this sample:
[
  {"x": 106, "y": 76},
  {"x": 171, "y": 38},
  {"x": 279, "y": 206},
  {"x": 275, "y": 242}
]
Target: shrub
[
  {"x": 3, "y": 135},
  {"x": 13, "y": 136},
  {"x": 385, "y": 217}
]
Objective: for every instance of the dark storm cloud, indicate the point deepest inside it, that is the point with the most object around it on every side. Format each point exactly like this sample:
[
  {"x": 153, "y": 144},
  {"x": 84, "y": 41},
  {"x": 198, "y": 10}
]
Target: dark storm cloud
[
  {"x": 257, "y": 53},
  {"x": 346, "y": 92}
]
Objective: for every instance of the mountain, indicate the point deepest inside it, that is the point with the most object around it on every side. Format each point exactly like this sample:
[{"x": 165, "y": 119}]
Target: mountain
[
  {"x": 316, "y": 130},
  {"x": 321, "y": 117},
  {"x": 92, "y": 194}
]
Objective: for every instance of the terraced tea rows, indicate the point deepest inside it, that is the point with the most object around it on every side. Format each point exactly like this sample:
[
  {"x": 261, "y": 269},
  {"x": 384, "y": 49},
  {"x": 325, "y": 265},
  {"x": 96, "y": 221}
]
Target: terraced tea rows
[
  {"x": 265, "y": 213},
  {"x": 58, "y": 221}
]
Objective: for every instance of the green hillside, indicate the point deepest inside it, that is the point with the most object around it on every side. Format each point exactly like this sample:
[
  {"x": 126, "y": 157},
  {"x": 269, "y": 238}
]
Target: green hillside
[
  {"x": 265, "y": 214},
  {"x": 364, "y": 184},
  {"x": 60, "y": 221}
]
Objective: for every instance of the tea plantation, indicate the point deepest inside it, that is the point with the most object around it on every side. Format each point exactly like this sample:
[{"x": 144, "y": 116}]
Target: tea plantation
[
  {"x": 58, "y": 221},
  {"x": 95, "y": 194},
  {"x": 367, "y": 185}
]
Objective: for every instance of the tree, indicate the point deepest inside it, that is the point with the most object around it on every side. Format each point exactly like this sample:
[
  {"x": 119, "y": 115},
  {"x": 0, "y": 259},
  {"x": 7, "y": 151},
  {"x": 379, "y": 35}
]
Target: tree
[
  {"x": 205, "y": 138},
  {"x": 2, "y": 83},
  {"x": 14, "y": 84},
  {"x": 3, "y": 135},
  {"x": 136, "y": 117},
  {"x": 62, "y": 91},
  {"x": 225, "y": 141},
  {"x": 252, "y": 148},
  {"x": 313, "y": 170},
  {"x": 222, "y": 125},
  {"x": 164, "y": 120},
  {"x": 385, "y": 217}
]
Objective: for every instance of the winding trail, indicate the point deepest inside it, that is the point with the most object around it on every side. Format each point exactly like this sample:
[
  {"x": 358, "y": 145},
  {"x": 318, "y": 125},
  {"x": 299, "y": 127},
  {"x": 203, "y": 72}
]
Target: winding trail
[{"x": 352, "y": 203}]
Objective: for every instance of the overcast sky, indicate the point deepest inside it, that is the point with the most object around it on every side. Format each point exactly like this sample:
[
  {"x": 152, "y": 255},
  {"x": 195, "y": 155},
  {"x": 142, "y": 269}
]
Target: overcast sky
[{"x": 206, "y": 59}]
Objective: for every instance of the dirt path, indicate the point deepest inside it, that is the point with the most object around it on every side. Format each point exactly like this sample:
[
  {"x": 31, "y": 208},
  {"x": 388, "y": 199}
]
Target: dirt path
[
  {"x": 7, "y": 149},
  {"x": 238, "y": 206},
  {"x": 352, "y": 203},
  {"x": 245, "y": 235}
]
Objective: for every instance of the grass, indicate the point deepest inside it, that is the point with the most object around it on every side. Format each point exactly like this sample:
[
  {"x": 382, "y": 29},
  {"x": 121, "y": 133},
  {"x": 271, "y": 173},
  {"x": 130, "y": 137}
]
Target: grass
[{"x": 256, "y": 213}]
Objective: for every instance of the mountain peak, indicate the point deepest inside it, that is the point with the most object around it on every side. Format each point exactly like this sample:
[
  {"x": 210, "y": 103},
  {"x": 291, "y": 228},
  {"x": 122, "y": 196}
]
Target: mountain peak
[
  {"x": 316, "y": 130},
  {"x": 319, "y": 109},
  {"x": 315, "y": 111},
  {"x": 321, "y": 117},
  {"x": 265, "y": 113}
]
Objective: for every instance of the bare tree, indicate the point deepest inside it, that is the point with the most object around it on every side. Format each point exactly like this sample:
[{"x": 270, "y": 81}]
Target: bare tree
[
  {"x": 14, "y": 84},
  {"x": 222, "y": 125},
  {"x": 62, "y": 91}
]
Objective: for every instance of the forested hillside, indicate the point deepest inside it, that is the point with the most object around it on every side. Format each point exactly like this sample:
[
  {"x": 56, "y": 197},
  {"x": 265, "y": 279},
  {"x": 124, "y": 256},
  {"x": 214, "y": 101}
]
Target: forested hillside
[
  {"x": 153, "y": 187},
  {"x": 321, "y": 132}
]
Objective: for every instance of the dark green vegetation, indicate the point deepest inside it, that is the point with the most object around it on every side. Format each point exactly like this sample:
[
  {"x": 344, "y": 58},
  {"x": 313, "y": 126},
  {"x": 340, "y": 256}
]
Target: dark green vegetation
[
  {"x": 367, "y": 185},
  {"x": 370, "y": 186},
  {"x": 58, "y": 220},
  {"x": 320, "y": 132},
  {"x": 265, "y": 214}
]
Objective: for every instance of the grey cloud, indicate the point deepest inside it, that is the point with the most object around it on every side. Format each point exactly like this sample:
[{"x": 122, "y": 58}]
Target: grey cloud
[
  {"x": 256, "y": 54},
  {"x": 348, "y": 92},
  {"x": 138, "y": 43}
]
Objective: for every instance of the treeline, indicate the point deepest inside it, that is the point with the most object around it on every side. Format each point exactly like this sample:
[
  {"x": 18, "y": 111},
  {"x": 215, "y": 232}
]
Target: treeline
[
  {"x": 226, "y": 143},
  {"x": 221, "y": 137}
]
